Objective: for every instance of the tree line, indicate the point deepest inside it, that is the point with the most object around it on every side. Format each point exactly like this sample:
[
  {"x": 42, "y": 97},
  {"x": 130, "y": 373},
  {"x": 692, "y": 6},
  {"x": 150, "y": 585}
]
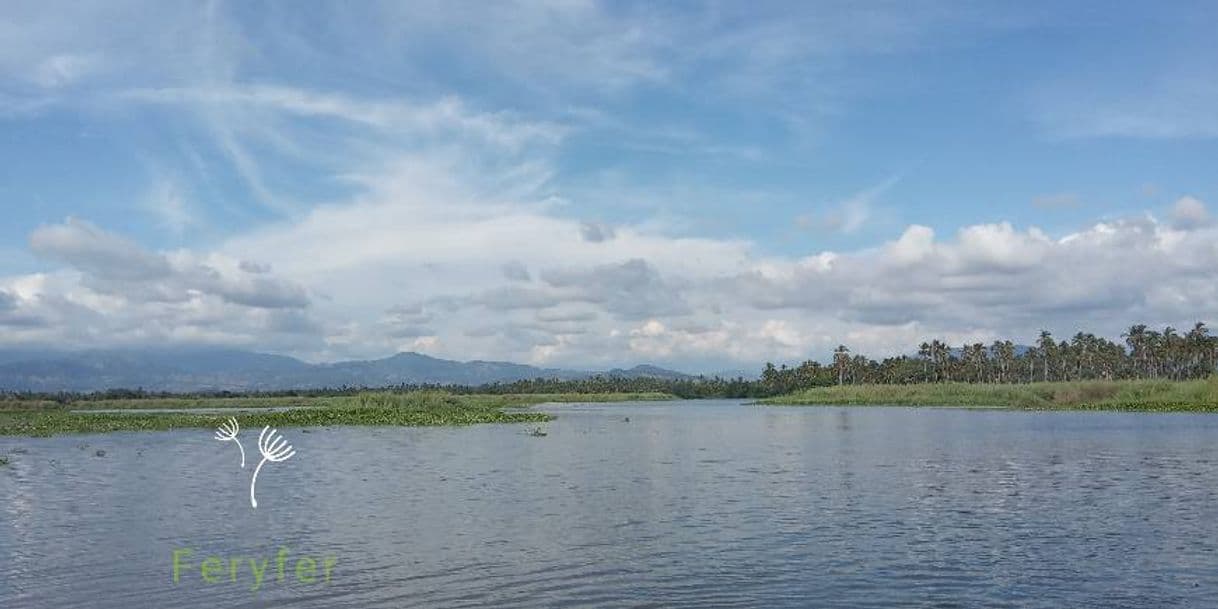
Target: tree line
[{"x": 1143, "y": 354}]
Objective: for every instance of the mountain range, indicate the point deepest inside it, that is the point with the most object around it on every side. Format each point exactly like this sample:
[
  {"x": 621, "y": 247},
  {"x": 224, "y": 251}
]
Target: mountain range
[{"x": 181, "y": 370}]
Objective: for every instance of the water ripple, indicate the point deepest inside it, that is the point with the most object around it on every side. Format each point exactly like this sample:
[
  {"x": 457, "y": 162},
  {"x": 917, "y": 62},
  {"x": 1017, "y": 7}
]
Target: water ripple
[{"x": 707, "y": 504}]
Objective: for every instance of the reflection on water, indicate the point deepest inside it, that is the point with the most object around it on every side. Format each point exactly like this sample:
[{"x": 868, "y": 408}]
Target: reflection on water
[{"x": 687, "y": 504}]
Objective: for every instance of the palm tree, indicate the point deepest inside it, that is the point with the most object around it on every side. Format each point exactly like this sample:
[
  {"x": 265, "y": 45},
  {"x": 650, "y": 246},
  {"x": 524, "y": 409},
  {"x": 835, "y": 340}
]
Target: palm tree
[
  {"x": 1003, "y": 352},
  {"x": 940, "y": 357},
  {"x": 924, "y": 353},
  {"x": 1198, "y": 346},
  {"x": 841, "y": 360},
  {"x": 1046, "y": 348},
  {"x": 1136, "y": 338}
]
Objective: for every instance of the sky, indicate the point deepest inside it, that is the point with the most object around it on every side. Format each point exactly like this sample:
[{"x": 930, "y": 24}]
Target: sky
[{"x": 579, "y": 184}]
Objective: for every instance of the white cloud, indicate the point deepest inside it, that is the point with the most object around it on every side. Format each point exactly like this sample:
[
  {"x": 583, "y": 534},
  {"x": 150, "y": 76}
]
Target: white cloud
[
  {"x": 1189, "y": 212},
  {"x": 444, "y": 117},
  {"x": 97, "y": 252},
  {"x": 999, "y": 247},
  {"x": 914, "y": 245},
  {"x": 114, "y": 291},
  {"x": 640, "y": 300}
]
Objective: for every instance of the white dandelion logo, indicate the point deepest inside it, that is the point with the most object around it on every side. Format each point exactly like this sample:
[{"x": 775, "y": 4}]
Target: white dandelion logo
[
  {"x": 227, "y": 432},
  {"x": 274, "y": 449}
]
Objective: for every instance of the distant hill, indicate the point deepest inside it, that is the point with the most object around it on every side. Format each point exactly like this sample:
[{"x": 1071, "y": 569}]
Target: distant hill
[
  {"x": 649, "y": 371},
  {"x": 237, "y": 370}
]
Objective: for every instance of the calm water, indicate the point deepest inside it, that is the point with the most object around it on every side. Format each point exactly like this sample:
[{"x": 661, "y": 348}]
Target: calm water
[{"x": 695, "y": 504}]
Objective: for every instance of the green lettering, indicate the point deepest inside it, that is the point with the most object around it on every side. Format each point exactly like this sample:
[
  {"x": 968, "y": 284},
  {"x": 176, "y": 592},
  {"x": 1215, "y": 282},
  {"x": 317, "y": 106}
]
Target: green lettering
[
  {"x": 258, "y": 573},
  {"x": 211, "y": 565},
  {"x": 329, "y": 564},
  {"x": 306, "y": 570},
  {"x": 281, "y": 558},
  {"x": 179, "y": 554}
]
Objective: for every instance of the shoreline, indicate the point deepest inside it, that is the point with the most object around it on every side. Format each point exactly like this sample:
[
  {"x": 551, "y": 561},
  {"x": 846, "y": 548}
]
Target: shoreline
[
  {"x": 1125, "y": 395},
  {"x": 408, "y": 409}
]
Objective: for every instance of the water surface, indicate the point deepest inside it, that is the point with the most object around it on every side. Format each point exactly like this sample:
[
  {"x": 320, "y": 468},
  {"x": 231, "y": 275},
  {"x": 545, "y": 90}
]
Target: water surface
[{"x": 688, "y": 504}]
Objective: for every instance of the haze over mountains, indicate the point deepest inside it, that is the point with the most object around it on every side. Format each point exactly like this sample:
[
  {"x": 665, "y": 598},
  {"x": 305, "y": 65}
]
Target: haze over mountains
[{"x": 237, "y": 370}]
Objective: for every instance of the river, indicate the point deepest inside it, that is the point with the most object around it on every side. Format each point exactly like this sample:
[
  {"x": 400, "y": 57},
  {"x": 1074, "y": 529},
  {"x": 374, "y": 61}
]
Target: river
[{"x": 678, "y": 504}]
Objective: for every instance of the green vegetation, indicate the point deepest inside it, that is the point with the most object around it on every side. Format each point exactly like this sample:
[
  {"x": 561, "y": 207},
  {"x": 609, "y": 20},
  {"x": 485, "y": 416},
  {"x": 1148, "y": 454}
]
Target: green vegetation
[
  {"x": 1152, "y": 370},
  {"x": 1140, "y": 395},
  {"x": 414, "y": 408},
  {"x": 174, "y": 403},
  {"x": 690, "y": 388},
  {"x": 1145, "y": 354}
]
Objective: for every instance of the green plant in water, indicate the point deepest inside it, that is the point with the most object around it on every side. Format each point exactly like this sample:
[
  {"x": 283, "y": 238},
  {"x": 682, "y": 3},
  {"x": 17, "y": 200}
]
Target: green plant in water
[{"x": 412, "y": 408}]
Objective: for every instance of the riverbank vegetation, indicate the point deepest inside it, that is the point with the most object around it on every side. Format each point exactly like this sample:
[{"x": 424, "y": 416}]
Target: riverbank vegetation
[
  {"x": 414, "y": 408},
  {"x": 1139, "y": 395},
  {"x": 1149, "y": 370},
  {"x": 1146, "y": 354}
]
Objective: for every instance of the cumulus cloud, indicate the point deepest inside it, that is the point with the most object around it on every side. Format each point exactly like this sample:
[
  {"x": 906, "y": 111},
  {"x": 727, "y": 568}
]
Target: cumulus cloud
[
  {"x": 1189, "y": 212},
  {"x": 59, "y": 309},
  {"x": 12, "y": 315},
  {"x": 1004, "y": 281},
  {"x": 112, "y": 264},
  {"x": 630, "y": 290},
  {"x": 981, "y": 282},
  {"x": 96, "y": 252},
  {"x": 114, "y": 291}
]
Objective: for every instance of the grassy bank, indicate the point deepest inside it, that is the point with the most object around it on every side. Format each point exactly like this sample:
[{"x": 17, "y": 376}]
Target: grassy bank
[
  {"x": 416, "y": 408},
  {"x": 1154, "y": 396}
]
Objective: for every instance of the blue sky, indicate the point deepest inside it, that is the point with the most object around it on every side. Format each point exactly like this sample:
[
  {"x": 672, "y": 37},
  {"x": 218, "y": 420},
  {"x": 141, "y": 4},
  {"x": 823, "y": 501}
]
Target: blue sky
[{"x": 698, "y": 184}]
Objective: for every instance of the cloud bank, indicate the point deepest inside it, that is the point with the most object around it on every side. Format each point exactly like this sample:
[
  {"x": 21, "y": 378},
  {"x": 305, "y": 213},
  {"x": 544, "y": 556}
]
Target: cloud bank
[{"x": 371, "y": 278}]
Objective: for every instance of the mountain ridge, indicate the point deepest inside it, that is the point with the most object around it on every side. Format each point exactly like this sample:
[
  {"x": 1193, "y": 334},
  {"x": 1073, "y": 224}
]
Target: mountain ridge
[{"x": 223, "y": 369}]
